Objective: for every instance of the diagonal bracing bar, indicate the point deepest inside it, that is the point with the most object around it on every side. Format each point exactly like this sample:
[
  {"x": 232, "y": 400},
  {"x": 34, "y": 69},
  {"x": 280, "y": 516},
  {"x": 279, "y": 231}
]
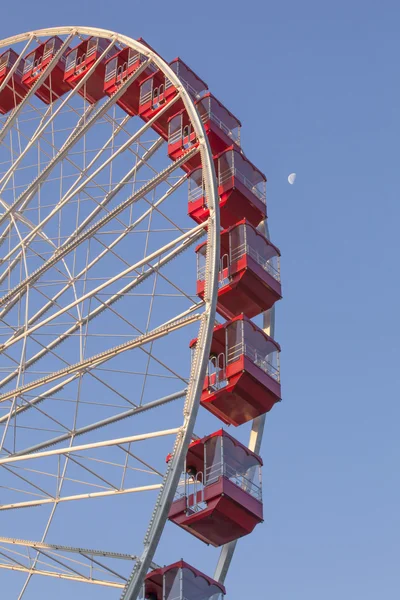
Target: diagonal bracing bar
[
  {"x": 99, "y": 359},
  {"x": 66, "y": 248},
  {"x": 99, "y": 424},
  {"x": 10, "y": 121},
  {"x": 75, "y": 136},
  {"x": 42, "y": 311},
  {"x": 195, "y": 233},
  {"x": 92, "y": 446}
]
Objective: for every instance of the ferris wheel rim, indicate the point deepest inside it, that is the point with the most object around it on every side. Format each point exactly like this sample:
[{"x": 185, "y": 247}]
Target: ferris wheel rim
[{"x": 210, "y": 300}]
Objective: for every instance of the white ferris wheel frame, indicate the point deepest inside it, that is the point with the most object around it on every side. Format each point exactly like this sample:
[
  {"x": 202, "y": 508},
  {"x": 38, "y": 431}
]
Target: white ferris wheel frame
[{"x": 199, "y": 364}]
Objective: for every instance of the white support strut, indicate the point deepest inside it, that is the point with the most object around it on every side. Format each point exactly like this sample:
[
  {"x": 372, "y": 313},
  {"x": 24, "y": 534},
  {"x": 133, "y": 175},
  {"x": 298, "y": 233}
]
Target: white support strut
[
  {"x": 20, "y": 292},
  {"x": 256, "y": 437}
]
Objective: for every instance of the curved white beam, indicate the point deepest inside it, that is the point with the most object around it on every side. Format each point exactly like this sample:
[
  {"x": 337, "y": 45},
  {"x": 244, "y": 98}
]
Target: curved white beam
[{"x": 200, "y": 358}]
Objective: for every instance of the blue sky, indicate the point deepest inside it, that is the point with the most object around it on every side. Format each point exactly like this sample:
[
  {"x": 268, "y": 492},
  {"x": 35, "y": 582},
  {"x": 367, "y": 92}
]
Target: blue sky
[{"x": 317, "y": 89}]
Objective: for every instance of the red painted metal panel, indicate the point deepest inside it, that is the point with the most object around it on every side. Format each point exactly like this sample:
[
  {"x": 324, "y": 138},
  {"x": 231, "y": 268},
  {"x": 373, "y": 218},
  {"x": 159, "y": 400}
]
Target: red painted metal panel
[
  {"x": 231, "y": 513},
  {"x": 249, "y": 390},
  {"x": 118, "y": 68},
  {"x": 36, "y": 62},
  {"x": 181, "y": 138},
  {"x": 251, "y": 290},
  {"x": 15, "y": 90},
  {"x": 195, "y": 454},
  {"x": 236, "y": 202},
  {"x": 243, "y": 399},
  {"x": 158, "y": 95},
  {"x": 249, "y": 278},
  {"x": 158, "y": 90},
  {"x": 154, "y": 581},
  {"x": 79, "y": 60},
  {"x": 217, "y": 138}
]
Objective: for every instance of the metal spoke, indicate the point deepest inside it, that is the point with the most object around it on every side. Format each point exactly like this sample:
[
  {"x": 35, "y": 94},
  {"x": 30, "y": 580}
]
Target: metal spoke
[{"x": 92, "y": 207}]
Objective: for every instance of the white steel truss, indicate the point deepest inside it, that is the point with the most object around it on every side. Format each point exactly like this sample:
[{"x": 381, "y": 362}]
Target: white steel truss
[
  {"x": 97, "y": 284},
  {"x": 93, "y": 564}
]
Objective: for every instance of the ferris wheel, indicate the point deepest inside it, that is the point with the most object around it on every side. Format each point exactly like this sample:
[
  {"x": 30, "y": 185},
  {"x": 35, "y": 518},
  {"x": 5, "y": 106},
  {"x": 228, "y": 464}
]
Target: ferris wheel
[{"x": 137, "y": 293}]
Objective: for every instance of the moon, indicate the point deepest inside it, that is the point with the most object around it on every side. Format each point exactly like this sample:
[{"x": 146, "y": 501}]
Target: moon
[{"x": 292, "y": 178}]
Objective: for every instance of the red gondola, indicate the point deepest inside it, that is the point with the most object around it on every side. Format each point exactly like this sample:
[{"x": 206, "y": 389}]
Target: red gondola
[
  {"x": 78, "y": 62},
  {"x": 221, "y": 499},
  {"x": 15, "y": 90},
  {"x": 249, "y": 277},
  {"x": 241, "y": 190},
  {"x": 180, "y": 581},
  {"x": 221, "y": 126},
  {"x": 37, "y": 61},
  {"x": 243, "y": 379},
  {"x": 157, "y": 91},
  {"x": 182, "y": 137},
  {"x": 118, "y": 68}
]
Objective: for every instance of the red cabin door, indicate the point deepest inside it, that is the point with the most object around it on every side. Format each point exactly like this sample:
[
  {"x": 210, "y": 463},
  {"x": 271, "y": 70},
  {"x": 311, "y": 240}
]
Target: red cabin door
[
  {"x": 224, "y": 270},
  {"x": 158, "y": 95},
  {"x": 121, "y": 72},
  {"x": 217, "y": 372}
]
